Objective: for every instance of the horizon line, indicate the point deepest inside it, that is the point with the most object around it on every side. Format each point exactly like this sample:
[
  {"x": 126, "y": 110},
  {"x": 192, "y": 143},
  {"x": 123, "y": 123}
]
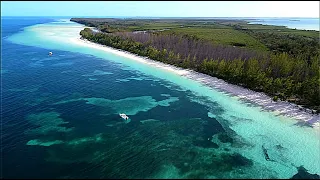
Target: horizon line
[{"x": 173, "y": 16}]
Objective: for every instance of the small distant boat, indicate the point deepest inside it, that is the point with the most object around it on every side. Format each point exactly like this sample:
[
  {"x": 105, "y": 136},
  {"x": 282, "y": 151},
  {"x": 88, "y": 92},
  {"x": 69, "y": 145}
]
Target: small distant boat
[
  {"x": 124, "y": 116},
  {"x": 50, "y": 53}
]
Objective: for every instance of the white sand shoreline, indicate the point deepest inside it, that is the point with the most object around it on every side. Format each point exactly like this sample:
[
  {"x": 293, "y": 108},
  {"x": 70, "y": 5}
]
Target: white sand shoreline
[{"x": 265, "y": 102}]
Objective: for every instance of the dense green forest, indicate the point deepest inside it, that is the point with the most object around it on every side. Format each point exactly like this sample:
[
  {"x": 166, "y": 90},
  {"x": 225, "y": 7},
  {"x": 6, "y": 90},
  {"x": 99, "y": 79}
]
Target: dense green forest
[{"x": 285, "y": 66}]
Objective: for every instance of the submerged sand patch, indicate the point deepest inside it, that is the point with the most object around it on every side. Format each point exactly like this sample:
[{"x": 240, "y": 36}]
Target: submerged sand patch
[
  {"x": 129, "y": 106},
  {"x": 47, "y": 122}
]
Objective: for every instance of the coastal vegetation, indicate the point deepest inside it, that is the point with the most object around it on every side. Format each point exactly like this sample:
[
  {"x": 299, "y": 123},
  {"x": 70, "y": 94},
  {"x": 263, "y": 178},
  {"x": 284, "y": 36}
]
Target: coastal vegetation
[{"x": 280, "y": 62}]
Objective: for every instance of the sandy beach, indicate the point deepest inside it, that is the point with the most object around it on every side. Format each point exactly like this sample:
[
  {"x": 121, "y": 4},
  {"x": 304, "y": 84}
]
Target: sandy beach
[{"x": 257, "y": 98}]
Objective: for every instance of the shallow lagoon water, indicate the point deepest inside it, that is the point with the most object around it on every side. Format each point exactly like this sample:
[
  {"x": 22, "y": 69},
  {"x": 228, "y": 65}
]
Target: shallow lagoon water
[
  {"x": 293, "y": 23},
  {"x": 179, "y": 128}
]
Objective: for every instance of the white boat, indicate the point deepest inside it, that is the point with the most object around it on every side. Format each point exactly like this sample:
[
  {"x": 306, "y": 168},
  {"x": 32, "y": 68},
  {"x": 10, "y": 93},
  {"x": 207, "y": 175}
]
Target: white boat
[
  {"x": 124, "y": 116},
  {"x": 50, "y": 53}
]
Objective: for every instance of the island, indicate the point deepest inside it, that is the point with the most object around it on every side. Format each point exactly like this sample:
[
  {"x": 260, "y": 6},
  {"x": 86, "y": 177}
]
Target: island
[{"x": 280, "y": 62}]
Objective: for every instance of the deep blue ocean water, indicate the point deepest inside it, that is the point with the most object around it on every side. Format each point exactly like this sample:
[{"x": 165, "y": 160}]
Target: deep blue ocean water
[
  {"x": 60, "y": 120},
  {"x": 32, "y": 82}
]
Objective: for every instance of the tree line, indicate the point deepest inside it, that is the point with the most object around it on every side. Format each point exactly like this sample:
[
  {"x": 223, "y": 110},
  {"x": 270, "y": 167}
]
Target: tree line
[{"x": 279, "y": 74}]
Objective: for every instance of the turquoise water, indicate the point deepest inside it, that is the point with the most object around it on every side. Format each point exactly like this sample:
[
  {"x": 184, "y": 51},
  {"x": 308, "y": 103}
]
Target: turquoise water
[
  {"x": 298, "y": 23},
  {"x": 60, "y": 113}
]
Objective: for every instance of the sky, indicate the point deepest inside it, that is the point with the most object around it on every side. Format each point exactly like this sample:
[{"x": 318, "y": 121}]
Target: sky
[{"x": 162, "y": 8}]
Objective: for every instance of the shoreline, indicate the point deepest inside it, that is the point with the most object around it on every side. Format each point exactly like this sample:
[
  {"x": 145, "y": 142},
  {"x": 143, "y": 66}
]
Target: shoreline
[{"x": 284, "y": 108}]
